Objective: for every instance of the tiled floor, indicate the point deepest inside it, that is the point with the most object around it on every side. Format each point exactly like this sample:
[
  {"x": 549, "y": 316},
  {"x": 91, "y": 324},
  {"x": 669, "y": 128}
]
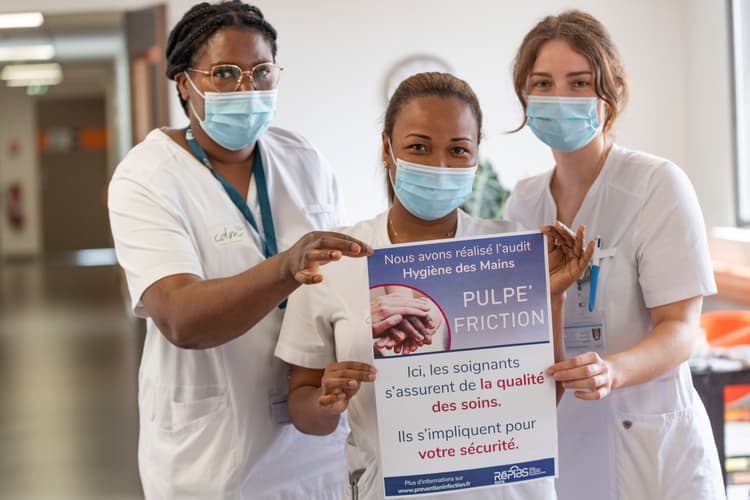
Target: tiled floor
[{"x": 68, "y": 365}]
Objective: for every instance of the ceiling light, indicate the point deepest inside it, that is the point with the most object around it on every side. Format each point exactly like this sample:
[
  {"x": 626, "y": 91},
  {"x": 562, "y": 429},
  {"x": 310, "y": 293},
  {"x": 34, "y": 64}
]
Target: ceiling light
[
  {"x": 21, "y": 20},
  {"x": 31, "y": 71},
  {"x": 42, "y": 52}
]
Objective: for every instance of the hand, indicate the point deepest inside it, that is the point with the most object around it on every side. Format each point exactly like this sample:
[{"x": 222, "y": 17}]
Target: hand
[
  {"x": 340, "y": 383},
  {"x": 567, "y": 256},
  {"x": 303, "y": 260},
  {"x": 591, "y": 375},
  {"x": 388, "y": 311}
]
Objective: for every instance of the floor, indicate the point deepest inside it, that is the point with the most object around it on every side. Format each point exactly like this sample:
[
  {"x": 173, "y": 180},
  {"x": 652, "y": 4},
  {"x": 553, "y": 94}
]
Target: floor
[{"x": 68, "y": 365}]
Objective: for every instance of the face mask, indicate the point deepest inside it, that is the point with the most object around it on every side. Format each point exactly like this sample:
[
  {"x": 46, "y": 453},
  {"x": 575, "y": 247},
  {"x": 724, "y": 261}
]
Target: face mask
[
  {"x": 432, "y": 192},
  {"x": 235, "y": 120},
  {"x": 563, "y": 123}
]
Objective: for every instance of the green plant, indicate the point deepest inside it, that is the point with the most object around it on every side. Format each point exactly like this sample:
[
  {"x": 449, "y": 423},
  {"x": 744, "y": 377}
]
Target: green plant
[{"x": 488, "y": 196}]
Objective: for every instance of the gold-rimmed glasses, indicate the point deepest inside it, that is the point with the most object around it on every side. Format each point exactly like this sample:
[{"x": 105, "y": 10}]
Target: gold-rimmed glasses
[{"x": 228, "y": 77}]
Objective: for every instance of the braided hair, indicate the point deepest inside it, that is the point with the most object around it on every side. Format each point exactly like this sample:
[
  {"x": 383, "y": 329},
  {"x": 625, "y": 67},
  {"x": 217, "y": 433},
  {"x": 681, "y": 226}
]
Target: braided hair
[{"x": 201, "y": 22}]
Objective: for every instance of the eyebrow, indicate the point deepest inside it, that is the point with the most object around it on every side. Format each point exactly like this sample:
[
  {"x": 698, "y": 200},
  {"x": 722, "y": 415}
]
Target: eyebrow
[
  {"x": 572, "y": 74},
  {"x": 428, "y": 138}
]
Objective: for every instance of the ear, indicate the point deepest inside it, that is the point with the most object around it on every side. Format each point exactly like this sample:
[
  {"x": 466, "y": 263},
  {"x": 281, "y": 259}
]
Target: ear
[
  {"x": 387, "y": 153},
  {"x": 182, "y": 85}
]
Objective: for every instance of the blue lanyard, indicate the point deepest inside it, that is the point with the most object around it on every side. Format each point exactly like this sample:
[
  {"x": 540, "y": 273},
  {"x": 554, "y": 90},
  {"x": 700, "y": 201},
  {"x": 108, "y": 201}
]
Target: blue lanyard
[{"x": 269, "y": 242}]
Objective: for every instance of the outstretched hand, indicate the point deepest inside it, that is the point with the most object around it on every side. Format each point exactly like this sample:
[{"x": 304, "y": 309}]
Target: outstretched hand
[
  {"x": 303, "y": 260},
  {"x": 340, "y": 383},
  {"x": 568, "y": 257}
]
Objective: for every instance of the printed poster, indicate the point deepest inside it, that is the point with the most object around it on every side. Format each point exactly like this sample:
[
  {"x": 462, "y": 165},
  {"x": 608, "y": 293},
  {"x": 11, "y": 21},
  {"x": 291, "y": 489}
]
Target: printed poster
[{"x": 464, "y": 403}]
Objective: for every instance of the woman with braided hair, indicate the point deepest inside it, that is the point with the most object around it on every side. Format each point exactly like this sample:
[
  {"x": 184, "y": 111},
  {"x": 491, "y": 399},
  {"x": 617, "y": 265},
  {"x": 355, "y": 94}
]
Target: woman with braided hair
[{"x": 215, "y": 225}]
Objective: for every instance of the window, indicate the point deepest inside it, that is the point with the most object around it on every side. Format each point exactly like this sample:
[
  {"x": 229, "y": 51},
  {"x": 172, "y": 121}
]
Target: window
[{"x": 740, "y": 42}]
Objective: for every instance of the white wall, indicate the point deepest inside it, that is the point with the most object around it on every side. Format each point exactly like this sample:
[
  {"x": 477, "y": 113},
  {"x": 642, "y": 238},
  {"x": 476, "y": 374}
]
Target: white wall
[
  {"x": 21, "y": 168},
  {"x": 336, "y": 54}
]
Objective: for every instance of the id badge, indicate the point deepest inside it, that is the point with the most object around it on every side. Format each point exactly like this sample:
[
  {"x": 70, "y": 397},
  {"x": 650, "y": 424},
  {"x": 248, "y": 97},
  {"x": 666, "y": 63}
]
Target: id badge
[
  {"x": 585, "y": 334},
  {"x": 279, "y": 408}
]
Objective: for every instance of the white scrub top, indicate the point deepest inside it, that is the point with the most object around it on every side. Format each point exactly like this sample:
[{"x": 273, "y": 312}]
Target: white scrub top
[
  {"x": 650, "y": 441},
  {"x": 212, "y": 422},
  {"x": 324, "y": 324}
]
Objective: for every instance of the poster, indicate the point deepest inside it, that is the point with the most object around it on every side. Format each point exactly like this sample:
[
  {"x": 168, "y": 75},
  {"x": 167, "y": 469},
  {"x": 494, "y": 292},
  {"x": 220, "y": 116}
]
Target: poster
[{"x": 465, "y": 404}]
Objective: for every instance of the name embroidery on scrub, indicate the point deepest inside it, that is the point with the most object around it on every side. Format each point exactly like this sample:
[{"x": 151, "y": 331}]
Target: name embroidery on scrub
[{"x": 229, "y": 233}]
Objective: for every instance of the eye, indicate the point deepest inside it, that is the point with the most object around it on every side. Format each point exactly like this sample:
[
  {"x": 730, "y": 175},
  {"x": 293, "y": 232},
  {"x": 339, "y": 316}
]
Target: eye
[
  {"x": 419, "y": 148},
  {"x": 541, "y": 84},
  {"x": 580, "y": 84},
  {"x": 460, "y": 150},
  {"x": 225, "y": 73}
]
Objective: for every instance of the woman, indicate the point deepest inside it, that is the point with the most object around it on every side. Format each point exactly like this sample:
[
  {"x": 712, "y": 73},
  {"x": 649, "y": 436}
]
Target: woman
[
  {"x": 208, "y": 223},
  {"x": 432, "y": 127},
  {"x": 631, "y": 424}
]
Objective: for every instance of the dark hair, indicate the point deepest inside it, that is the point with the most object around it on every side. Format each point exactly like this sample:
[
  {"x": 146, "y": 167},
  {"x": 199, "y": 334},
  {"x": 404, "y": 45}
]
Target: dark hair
[
  {"x": 201, "y": 22},
  {"x": 429, "y": 84},
  {"x": 587, "y": 36}
]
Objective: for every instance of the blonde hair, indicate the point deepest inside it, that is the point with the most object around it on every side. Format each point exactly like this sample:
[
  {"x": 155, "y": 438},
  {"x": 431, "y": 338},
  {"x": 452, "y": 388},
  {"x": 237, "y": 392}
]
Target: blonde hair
[{"x": 587, "y": 36}]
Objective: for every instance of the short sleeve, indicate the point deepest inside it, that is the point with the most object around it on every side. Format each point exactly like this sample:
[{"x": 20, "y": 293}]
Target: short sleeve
[
  {"x": 670, "y": 241},
  {"x": 307, "y": 332},
  {"x": 151, "y": 239}
]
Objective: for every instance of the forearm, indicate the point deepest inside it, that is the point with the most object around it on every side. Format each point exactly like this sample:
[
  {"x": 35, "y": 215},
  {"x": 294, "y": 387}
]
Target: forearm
[
  {"x": 208, "y": 313},
  {"x": 669, "y": 344},
  {"x": 558, "y": 334},
  {"x": 307, "y": 414}
]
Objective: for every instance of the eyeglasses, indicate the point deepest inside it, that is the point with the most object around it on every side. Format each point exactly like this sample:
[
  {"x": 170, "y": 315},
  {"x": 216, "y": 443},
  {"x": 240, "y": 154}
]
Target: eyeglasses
[{"x": 228, "y": 77}]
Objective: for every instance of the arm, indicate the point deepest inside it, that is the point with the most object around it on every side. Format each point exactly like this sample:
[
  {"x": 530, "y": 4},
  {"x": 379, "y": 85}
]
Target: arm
[
  {"x": 197, "y": 314},
  {"x": 558, "y": 335},
  {"x": 318, "y": 397},
  {"x": 668, "y": 344}
]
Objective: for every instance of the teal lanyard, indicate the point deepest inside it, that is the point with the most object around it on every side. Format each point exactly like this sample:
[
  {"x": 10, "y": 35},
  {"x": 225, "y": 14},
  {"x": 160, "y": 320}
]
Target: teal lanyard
[{"x": 269, "y": 241}]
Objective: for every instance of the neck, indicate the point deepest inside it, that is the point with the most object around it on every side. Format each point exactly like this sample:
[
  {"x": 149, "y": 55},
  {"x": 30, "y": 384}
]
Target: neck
[
  {"x": 577, "y": 170},
  {"x": 403, "y": 227}
]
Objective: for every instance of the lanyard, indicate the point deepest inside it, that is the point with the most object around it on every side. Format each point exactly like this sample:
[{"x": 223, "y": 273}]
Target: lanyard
[{"x": 269, "y": 242}]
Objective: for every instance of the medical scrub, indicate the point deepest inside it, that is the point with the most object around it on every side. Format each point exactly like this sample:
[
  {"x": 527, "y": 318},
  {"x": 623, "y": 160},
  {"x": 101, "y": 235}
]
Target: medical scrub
[
  {"x": 325, "y": 324},
  {"x": 213, "y": 422},
  {"x": 650, "y": 441}
]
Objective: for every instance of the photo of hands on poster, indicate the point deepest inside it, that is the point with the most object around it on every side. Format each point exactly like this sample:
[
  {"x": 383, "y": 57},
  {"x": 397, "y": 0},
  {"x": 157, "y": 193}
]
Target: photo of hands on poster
[{"x": 405, "y": 320}]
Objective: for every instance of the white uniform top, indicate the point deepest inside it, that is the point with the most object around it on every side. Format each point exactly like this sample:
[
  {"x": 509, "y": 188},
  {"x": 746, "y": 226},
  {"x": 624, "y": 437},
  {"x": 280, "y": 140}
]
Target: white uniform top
[
  {"x": 206, "y": 429},
  {"x": 323, "y": 324},
  {"x": 650, "y": 441}
]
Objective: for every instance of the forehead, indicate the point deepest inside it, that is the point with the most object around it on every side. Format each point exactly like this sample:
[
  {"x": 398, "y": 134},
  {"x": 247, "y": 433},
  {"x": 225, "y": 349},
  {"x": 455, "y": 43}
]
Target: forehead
[
  {"x": 242, "y": 46},
  {"x": 436, "y": 116},
  {"x": 558, "y": 54}
]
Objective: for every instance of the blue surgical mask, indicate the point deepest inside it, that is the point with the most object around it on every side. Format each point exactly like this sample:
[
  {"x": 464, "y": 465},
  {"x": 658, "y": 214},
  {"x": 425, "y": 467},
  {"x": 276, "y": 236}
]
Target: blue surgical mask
[
  {"x": 563, "y": 123},
  {"x": 235, "y": 120},
  {"x": 432, "y": 192}
]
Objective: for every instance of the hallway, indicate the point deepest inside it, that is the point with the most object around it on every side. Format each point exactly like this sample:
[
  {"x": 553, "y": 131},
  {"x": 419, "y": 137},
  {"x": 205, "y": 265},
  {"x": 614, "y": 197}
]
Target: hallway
[{"x": 68, "y": 372}]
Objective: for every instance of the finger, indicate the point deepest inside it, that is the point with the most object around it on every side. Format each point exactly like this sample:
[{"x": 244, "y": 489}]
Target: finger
[
  {"x": 581, "y": 373},
  {"x": 351, "y": 365},
  {"x": 406, "y": 327},
  {"x": 349, "y": 246},
  {"x": 331, "y": 401},
  {"x": 587, "y": 383},
  {"x": 592, "y": 395},
  {"x": 321, "y": 256},
  {"x": 307, "y": 277},
  {"x": 417, "y": 324},
  {"x": 586, "y": 358},
  {"x": 347, "y": 374},
  {"x": 380, "y": 327}
]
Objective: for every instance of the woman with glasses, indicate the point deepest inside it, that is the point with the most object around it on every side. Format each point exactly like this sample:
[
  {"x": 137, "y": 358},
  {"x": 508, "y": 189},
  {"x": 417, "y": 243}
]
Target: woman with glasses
[
  {"x": 631, "y": 424},
  {"x": 215, "y": 224},
  {"x": 430, "y": 140}
]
